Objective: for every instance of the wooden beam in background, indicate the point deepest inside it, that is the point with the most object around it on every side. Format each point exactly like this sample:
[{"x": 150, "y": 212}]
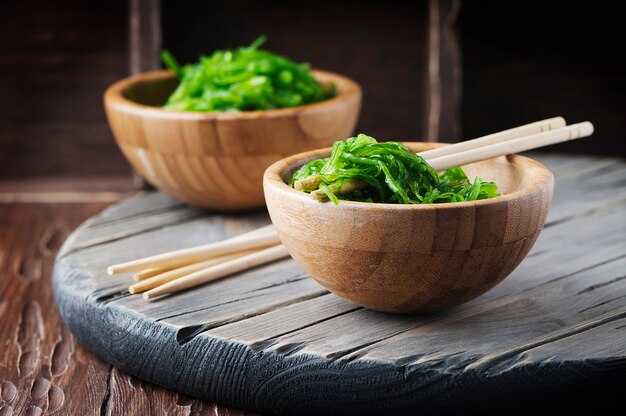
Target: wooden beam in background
[
  {"x": 144, "y": 39},
  {"x": 144, "y": 35},
  {"x": 444, "y": 84}
]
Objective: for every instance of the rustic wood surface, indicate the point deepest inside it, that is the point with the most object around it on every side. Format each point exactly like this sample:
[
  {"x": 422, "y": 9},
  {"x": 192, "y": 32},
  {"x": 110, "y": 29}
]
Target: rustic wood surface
[
  {"x": 217, "y": 160},
  {"x": 43, "y": 369},
  {"x": 273, "y": 340}
]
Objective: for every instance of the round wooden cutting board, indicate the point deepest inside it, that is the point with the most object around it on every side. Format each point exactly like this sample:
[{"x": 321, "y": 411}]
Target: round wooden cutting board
[{"x": 272, "y": 340}]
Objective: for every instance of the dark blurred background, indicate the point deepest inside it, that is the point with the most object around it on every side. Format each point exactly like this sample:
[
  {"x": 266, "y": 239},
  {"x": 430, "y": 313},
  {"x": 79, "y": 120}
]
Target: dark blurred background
[{"x": 437, "y": 70}]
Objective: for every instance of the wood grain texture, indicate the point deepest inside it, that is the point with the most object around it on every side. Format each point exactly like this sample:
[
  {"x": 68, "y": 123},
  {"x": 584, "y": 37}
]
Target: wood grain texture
[
  {"x": 217, "y": 160},
  {"x": 409, "y": 258},
  {"x": 274, "y": 341},
  {"x": 43, "y": 369}
]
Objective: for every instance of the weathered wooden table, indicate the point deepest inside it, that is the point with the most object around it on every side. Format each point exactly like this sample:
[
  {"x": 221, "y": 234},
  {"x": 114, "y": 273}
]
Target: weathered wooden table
[
  {"x": 551, "y": 333},
  {"x": 43, "y": 369}
]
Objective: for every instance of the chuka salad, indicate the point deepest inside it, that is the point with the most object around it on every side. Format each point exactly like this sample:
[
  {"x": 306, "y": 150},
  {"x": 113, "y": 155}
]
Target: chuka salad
[
  {"x": 361, "y": 169},
  {"x": 244, "y": 79}
]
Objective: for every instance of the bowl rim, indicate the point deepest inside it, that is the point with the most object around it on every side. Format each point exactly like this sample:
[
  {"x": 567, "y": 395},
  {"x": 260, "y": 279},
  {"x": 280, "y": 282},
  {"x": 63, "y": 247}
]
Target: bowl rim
[
  {"x": 273, "y": 178},
  {"x": 113, "y": 96}
]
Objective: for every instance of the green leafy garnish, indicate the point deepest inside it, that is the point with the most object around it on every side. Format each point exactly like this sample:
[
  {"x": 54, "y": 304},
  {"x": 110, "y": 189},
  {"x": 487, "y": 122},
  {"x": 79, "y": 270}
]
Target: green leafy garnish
[
  {"x": 361, "y": 169},
  {"x": 244, "y": 79}
]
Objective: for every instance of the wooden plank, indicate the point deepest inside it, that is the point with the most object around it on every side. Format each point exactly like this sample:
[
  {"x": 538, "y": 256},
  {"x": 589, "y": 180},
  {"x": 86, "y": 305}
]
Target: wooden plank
[
  {"x": 150, "y": 203},
  {"x": 556, "y": 161},
  {"x": 584, "y": 346},
  {"x": 87, "y": 253},
  {"x": 262, "y": 329},
  {"x": 522, "y": 318},
  {"x": 583, "y": 184},
  {"x": 563, "y": 166},
  {"x": 260, "y": 289},
  {"x": 153, "y": 212},
  {"x": 577, "y": 195}
]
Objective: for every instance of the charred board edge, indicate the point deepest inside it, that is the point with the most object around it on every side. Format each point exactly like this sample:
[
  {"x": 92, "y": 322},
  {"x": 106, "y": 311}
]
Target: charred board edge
[{"x": 286, "y": 381}]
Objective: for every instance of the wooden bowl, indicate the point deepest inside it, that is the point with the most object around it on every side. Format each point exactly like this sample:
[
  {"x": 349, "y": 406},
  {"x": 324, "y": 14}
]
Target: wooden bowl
[
  {"x": 217, "y": 160},
  {"x": 408, "y": 258}
]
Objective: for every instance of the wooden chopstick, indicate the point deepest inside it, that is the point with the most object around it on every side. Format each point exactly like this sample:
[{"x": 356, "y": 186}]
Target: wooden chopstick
[
  {"x": 152, "y": 271},
  {"x": 226, "y": 268},
  {"x": 514, "y": 133},
  {"x": 173, "y": 274},
  {"x": 521, "y": 144},
  {"x": 263, "y": 237}
]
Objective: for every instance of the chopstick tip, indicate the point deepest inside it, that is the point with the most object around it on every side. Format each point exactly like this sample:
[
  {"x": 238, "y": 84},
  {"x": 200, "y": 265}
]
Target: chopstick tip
[
  {"x": 559, "y": 122},
  {"x": 582, "y": 129}
]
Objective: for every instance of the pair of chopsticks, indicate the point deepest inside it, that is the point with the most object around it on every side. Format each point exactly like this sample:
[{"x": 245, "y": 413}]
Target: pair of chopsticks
[
  {"x": 173, "y": 271},
  {"x": 515, "y": 140}
]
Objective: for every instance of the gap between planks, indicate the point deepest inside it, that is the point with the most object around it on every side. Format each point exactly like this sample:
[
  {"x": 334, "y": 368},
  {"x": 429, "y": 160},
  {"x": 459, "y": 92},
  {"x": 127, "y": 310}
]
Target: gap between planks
[{"x": 568, "y": 331}]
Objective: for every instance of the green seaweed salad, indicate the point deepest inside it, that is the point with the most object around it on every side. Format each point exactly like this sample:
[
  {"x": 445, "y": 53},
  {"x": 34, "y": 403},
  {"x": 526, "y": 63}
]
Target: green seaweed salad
[
  {"x": 361, "y": 169},
  {"x": 244, "y": 79}
]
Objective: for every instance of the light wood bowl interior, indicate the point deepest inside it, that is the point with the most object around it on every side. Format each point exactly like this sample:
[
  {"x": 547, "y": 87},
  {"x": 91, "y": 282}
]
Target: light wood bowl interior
[
  {"x": 409, "y": 258},
  {"x": 217, "y": 160}
]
